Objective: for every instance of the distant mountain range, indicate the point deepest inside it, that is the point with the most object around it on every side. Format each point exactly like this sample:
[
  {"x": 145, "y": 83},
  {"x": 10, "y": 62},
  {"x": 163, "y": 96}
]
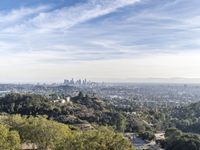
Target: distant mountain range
[{"x": 155, "y": 80}]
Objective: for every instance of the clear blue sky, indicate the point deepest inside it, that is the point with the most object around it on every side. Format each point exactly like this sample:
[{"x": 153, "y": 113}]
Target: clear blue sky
[{"x": 48, "y": 40}]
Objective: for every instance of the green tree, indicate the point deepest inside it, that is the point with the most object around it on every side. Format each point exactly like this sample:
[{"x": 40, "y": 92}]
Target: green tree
[
  {"x": 80, "y": 95},
  {"x": 184, "y": 142},
  {"x": 148, "y": 135},
  {"x": 172, "y": 132},
  {"x": 99, "y": 139},
  {"x": 9, "y": 140},
  {"x": 40, "y": 131},
  {"x": 121, "y": 122}
]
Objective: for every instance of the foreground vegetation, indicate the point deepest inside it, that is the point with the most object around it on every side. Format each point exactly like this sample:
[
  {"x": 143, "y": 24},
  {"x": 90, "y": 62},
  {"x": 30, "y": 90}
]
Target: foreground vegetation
[
  {"x": 177, "y": 140},
  {"x": 48, "y": 134},
  {"x": 61, "y": 126}
]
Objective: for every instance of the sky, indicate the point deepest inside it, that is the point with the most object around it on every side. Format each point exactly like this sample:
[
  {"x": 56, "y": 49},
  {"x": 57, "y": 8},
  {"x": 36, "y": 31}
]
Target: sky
[{"x": 102, "y": 40}]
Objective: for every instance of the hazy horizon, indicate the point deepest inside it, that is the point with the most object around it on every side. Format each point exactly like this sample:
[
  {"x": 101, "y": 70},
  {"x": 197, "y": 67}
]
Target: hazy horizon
[{"x": 150, "y": 80}]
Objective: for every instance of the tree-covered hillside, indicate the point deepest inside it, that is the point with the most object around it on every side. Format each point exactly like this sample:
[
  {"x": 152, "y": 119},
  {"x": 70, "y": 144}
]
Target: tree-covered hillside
[
  {"x": 45, "y": 134},
  {"x": 80, "y": 110}
]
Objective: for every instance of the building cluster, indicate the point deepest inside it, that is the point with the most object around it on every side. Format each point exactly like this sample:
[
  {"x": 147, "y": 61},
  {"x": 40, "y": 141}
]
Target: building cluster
[
  {"x": 148, "y": 95},
  {"x": 62, "y": 100},
  {"x": 78, "y": 82}
]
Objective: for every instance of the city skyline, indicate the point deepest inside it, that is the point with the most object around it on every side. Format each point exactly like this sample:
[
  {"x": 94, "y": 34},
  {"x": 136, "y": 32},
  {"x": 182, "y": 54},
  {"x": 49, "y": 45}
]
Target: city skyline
[{"x": 48, "y": 41}]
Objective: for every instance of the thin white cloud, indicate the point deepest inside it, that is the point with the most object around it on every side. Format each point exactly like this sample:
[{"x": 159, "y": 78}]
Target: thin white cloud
[
  {"x": 68, "y": 17},
  {"x": 20, "y": 14},
  {"x": 65, "y": 17}
]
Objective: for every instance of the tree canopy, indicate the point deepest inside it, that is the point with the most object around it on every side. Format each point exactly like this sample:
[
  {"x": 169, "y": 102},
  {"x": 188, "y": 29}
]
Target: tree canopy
[
  {"x": 9, "y": 140},
  {"x": 46, "y": 134}
]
